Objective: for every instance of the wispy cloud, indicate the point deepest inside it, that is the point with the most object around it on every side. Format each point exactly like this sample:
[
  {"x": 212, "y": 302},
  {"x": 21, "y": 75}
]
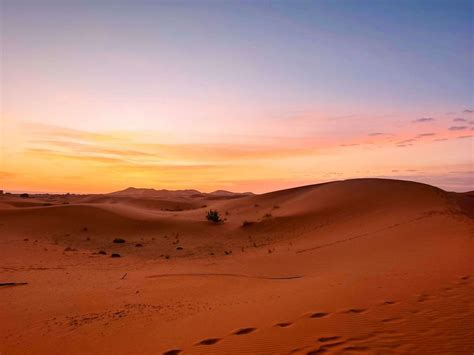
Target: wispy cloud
[
  {"x": 121, "y": 158},
  {"x": 459, "y": 120},
  {"x": 424, "y": 119},
  {"x": 457, "y": 128},
  {"x": 88, "y": 158},
  {"x": 411, "y": 140},
  {"x": 349, "y": 145},
  {"x": 114, "y": 147},
  {"x": 92, "y": 148},
  {"x": 468, "y": 111}
]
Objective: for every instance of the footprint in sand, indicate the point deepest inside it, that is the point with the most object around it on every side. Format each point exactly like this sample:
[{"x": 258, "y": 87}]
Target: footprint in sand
[
  {"x": 424, "y": 297},
  {"x": 326, "y": 339},
  {"x": 392, "y": 320},
  {"x": 172, "y": 352},
  {"x": 389, "y": 303},
  {"x": 318, "y": 315},
  {"x": 355, "y": 311},
  {"x": 325, "y": 348},
  {"x": 209, "y": 341},
  {"x": 244, "y": 331},
  {"x": 283, "y": 324}
]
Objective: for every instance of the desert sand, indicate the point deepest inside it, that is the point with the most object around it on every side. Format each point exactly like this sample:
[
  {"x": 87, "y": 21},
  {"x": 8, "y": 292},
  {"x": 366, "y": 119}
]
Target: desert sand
[{"x": 356, "y": 266}]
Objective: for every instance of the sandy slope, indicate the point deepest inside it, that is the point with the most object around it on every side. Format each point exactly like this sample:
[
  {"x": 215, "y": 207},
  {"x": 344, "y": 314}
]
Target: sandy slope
[{"x": 362, "y": 266}]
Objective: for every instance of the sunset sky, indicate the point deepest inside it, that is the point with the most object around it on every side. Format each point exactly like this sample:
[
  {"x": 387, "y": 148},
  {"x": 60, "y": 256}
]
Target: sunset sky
[{"x": 245, "y": 96}]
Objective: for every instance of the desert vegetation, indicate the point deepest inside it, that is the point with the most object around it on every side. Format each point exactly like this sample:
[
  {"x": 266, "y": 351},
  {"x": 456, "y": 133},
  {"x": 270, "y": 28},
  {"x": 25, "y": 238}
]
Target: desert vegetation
[{"x": 213, "y": 216}]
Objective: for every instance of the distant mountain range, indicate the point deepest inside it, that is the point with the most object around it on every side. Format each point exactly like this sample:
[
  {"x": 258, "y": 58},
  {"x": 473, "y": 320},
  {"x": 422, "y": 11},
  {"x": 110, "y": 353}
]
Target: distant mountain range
[{"x": 172, "y": 194}]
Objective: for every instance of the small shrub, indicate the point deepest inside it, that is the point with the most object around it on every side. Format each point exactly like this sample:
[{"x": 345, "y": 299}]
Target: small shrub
[
  {"x": 138, "y": 245},
  {"x": 115, "y": 255},
  {"x": 119, "y": 240},
  {"x": 268, "y": 215},
  {"x": 102, "y": 252},
  {"x": 213, "y": 216},
  {"x": 24, "y": 195}
]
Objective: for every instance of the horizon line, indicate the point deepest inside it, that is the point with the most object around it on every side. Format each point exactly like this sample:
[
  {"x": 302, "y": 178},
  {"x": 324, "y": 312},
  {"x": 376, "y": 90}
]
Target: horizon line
[{"x": 16, "y": 191}]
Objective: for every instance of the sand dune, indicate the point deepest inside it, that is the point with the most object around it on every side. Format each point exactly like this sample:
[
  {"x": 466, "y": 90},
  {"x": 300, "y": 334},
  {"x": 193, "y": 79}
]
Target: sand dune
[{"x": 356, "y": 266}]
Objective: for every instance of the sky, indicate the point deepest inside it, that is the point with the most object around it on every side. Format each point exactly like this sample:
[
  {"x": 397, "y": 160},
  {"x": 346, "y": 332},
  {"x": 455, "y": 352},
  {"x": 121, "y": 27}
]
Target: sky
[{"x": 97, "y": 96}]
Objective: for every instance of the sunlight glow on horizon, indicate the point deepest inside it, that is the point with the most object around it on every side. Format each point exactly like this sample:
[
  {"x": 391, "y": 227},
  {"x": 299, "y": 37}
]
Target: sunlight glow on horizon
[{"x": 98, "y": 97}]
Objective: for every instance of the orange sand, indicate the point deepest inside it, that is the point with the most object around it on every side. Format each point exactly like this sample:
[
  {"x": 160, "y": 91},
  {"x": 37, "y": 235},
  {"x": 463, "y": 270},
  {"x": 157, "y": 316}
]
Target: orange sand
[{"x": 357, "y": 266}]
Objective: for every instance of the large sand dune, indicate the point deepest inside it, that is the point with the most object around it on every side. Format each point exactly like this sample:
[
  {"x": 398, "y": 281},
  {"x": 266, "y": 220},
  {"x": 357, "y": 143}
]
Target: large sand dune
[{"x": 356, "y": 266}]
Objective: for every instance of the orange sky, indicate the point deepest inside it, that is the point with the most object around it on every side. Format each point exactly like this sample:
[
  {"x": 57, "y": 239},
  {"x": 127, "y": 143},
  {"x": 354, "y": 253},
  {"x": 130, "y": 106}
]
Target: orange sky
[{"x": 39, "y": 157}]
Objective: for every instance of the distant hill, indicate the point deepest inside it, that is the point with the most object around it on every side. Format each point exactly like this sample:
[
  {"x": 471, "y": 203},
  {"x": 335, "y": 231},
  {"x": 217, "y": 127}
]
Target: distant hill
[{"x": 173, "y": 194}]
